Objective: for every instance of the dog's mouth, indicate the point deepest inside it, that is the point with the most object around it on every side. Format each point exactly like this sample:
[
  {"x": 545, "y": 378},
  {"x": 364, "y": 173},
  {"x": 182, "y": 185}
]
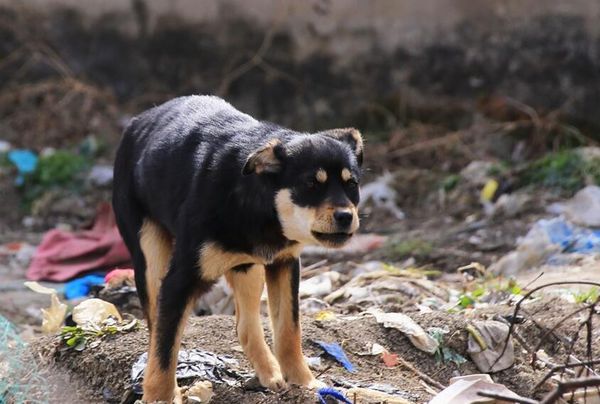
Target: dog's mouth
[{"x": 332, "y": 239}]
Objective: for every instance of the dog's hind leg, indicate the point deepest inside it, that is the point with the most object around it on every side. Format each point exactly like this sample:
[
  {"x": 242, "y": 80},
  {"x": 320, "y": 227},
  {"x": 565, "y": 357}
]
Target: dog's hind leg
[
  {"x": 283, "y": 277},
  {"x": 177, "y": 290},
  {"x": 248, "y": 283},
  {"x": 157, "y": 245}
]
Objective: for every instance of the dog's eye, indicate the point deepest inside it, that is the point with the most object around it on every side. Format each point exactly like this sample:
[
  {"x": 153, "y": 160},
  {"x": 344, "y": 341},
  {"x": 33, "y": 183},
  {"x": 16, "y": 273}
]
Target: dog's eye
[
  {"x": 352, "y": 183},
  {"x": 311, "y": 183}
]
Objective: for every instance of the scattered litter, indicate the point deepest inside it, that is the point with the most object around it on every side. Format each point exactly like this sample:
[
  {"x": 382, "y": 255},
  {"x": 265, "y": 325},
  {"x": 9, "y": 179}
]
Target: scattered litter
[
  {"x": 325, "y": 315},
  {"x": 319, "y": 285},
  {"x": 360, "y": 395},
  {"x": 544, "y": 241},
  {"x": 120, "y": 290},
  {"x": 5, "y": 146},
  {"x": 329, "y": 392},
  {"x": 25, "y": 160},
  {"x": 510, "y": 205},
  {"x": 407, "y": 325},
  {"x": 389, "y": 359},
  {"x": 63, "y": 255},
  {"x": 200, "y": 392},
  {"x": 53, "y": 316},
  {"x": 336, "y": 351},
  {"x": 465, "y": 389},
  {"x": 488, "y": 192},
  {"x": 313, "y": 362},
  {"x": 312, "y": 305},
  {"x": 120, "y": 277},
  {"x": 101, "y": 175},
  {"x": 80, "y": 287},
  {"x": 532, "y": 249},
  {"x": 370, "y": 392},
  {"x": 218, "y": 300},
  {"x": 359, "y": 244},
  {"x": 19, "y": 254},
  {"x": 196, "y": 363},
  {"x": 385, "y": 286},
  {"x": 382, "y": 195},
  {"x": 94, "y": 312},
  {"x": 583, "y": 209},
  {"x": 486, "y": 343},
  {"x": 89, "y": 333},
  {"x": 376, "y": 349},
  {"x": 476, "y": 172},
  {"x": 444, "y": 353}
]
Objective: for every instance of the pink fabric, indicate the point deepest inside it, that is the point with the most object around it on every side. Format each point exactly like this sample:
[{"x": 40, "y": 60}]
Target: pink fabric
[{"x": 63, "y": 255}]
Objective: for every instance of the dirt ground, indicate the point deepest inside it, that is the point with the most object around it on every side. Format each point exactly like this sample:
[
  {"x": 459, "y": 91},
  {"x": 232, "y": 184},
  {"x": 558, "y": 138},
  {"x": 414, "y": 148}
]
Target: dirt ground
[{"x": 103, "y": 372}]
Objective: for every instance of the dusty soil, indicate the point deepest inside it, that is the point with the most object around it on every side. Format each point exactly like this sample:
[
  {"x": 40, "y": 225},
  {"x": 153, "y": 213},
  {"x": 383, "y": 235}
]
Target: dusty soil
[{"x": 104, "y": 371}]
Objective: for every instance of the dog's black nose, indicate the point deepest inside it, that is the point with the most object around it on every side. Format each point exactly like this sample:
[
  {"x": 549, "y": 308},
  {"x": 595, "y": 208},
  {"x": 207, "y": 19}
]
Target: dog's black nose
[{"x": 343, "y": 218}]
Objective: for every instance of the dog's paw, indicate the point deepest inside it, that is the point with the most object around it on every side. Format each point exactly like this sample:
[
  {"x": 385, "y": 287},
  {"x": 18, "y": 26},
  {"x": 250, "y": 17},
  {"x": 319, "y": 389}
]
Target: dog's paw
[{"x": 274, "y": 382}]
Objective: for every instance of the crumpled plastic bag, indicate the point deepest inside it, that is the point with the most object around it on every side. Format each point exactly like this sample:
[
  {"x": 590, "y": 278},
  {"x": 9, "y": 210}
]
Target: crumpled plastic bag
[
  {"x": 583, "y": 209},
  {"x": 196, "y": 363},
  {"x": 491, "y": 334},
  {"x": 53, "y": 316},
  {"x": 408, "y": 326},
  {"x": 94, "y": 312},
  {"x": 465, "y": 389},
  {"x": 319, "y": 285},
  {"x": 200, "y": 392},
  {"x": 382, "y": 195}
]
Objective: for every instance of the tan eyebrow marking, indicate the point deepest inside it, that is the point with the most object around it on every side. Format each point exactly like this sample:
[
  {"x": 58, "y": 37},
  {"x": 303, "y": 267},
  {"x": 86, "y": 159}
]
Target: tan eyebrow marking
[
  {"x": 346, "y": 174},
  {"x": 321, "y": 175}
]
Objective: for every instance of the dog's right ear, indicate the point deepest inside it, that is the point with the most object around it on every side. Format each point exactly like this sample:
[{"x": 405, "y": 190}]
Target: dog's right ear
[{"x": 265, "y": 159}]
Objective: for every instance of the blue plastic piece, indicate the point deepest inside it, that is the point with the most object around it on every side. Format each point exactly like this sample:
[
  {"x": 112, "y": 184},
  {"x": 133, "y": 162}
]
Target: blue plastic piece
[
  {"x": 81, "y": 287},
  {"x": 571, "y": 238},
  {"x": 333, "y": 393},
  {"x": 25, "y": 160},
  {"x": 338, "y": 353}
]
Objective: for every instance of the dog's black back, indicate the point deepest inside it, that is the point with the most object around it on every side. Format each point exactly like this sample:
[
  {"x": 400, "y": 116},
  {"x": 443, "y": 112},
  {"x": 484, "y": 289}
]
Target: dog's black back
[{"x": 187, "y": 160}]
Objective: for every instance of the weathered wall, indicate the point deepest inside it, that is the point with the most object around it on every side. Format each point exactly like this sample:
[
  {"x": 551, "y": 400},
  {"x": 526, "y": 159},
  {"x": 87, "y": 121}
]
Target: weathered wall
[
  {"x": 376, "y": 64},
  {"x": 347, "y": 27}
]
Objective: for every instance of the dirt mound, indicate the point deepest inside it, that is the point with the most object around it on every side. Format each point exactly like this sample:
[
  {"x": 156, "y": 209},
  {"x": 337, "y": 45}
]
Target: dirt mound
[{"x": 106, "y": 368}]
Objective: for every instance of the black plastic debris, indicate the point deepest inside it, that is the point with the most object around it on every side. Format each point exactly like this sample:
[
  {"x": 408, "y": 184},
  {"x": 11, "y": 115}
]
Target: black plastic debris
[{"x": 196, "y": 363}]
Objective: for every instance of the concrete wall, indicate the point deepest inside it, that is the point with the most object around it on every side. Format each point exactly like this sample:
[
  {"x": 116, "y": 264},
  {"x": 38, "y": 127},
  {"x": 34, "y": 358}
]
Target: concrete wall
[{"x": 350, "y": 27}]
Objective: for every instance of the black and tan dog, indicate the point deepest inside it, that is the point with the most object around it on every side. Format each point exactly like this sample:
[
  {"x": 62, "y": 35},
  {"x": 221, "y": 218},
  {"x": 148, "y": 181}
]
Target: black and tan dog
[{"x": 202, "y": 190}]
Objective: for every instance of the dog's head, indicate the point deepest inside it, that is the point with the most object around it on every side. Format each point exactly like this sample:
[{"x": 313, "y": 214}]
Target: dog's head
[{"x": 317, "y": 177}]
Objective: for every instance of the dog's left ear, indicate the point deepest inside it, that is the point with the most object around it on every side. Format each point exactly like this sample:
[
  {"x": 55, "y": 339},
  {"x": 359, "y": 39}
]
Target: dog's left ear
[
  {"x": 265, "y": 159},
  {"x": 350, "y": 136}
]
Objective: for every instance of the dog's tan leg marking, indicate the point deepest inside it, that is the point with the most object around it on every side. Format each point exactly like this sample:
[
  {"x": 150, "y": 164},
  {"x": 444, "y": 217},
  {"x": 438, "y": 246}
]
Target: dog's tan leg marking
[
  {"x": 159, "y": 384},
  {"x": 214, "y": 261},
  {"x": 247, "y": 289},
  {"x": 286, "y": 329},
  {"x": 157, "y": 246}
]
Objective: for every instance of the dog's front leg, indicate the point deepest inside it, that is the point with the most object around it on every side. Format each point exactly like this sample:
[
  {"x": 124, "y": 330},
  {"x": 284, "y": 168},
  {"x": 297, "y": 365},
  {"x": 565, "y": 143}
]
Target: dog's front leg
[
  {"x": 247, "y": 284},
  {"x": 283, "y": 277}
]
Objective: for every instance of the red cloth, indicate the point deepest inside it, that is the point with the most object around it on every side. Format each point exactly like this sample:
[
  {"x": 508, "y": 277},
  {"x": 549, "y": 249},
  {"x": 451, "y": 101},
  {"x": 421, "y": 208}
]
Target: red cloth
[{"x": 63, "y": 255}]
